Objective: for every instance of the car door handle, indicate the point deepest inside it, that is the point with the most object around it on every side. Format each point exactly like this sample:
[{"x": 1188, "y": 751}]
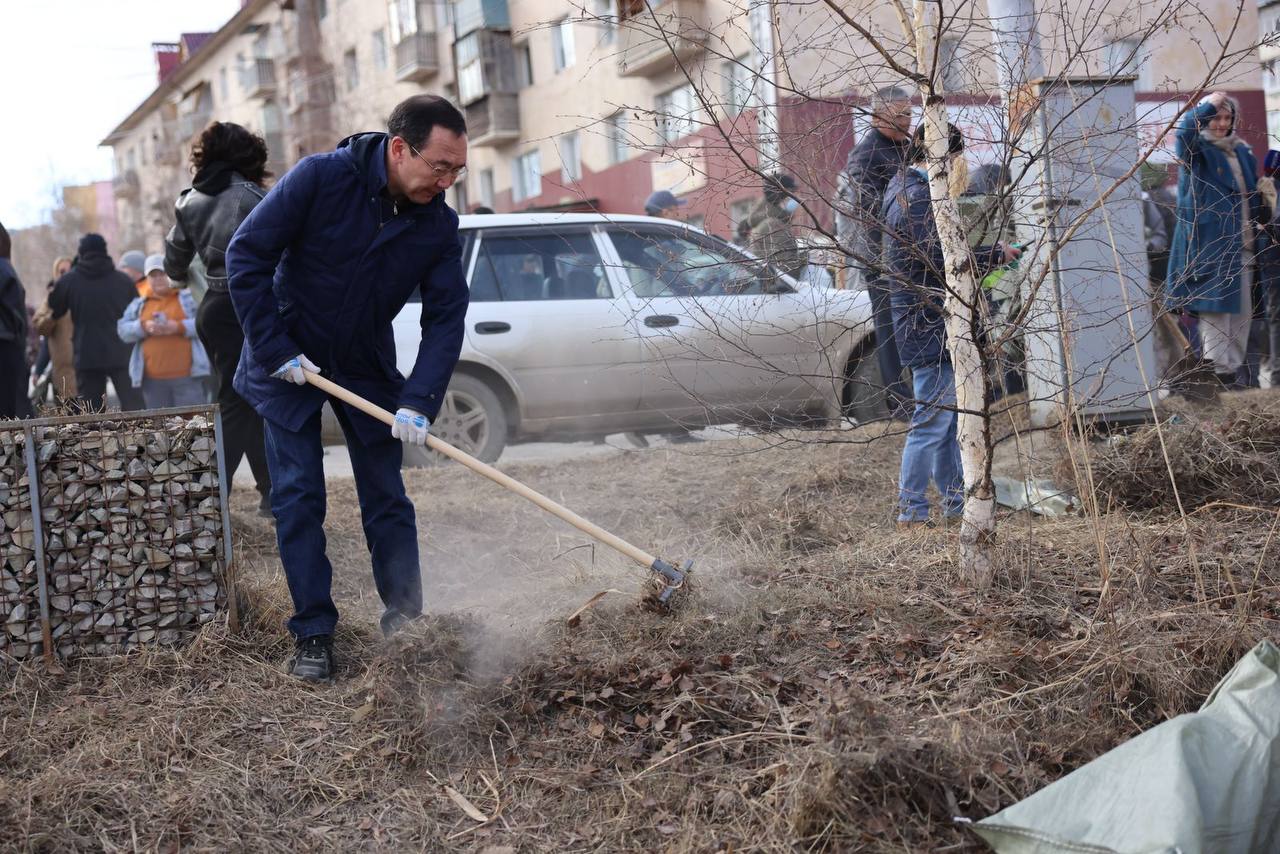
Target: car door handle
[
  {"x": 492, "y": 327},
  {"x": 660, "y": 320}
]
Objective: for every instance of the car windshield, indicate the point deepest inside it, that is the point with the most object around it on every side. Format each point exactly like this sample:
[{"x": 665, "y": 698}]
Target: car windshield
[{"x": 660, "y": 262}]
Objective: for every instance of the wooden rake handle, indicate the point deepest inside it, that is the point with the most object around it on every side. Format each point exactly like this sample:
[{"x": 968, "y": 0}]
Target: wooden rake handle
[{"x": 554, "y": 508}]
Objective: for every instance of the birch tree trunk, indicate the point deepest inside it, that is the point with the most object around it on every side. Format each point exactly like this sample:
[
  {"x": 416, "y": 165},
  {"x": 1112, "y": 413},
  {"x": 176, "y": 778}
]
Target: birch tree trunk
[{"x": 963, "y": 320}]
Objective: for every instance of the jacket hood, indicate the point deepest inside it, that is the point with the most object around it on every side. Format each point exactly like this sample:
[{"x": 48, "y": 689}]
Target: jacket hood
[
  {"x": 367, "y": 153},
  {"x": 214, "y": 177},
  {"x": 94, "y": 265}
]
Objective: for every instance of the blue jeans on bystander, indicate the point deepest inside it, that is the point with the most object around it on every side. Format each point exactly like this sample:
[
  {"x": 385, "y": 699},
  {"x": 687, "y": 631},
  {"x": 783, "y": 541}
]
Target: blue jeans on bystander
[
  {"x": 931, "y": 450},
  {"x": 296, "y": 461}
]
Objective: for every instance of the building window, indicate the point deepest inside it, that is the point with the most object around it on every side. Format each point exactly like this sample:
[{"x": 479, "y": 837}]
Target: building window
[
  {"x": 322, "y": 9},
  {"x": 224, "y": 96},
  {"x": 470, "y": 69},
  {"x": 570, "y": 157},
  {"x": 606, "y": 20},
  {"x": 406, "y": 18},
  {"x": 524, "y": 65},
  {"x": 739, "y": 83},
  {"x": 951, "y": 70},
  {"x": 616, "y": 137},
  {"x": 677, "y": 113},
  {"x": 379, "y": 45},
  {"x": 486, "y": 187},
  {"x": 1126, "y": 58},
  {"x": 562, "y": 44},
  {"x": 351, "y": 70},
  {"x": 526, "y": 177}
]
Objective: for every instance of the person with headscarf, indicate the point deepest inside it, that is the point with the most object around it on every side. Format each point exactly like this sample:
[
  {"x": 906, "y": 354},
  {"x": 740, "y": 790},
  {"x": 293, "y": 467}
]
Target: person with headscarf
[{"x": 1211, "y": 258}]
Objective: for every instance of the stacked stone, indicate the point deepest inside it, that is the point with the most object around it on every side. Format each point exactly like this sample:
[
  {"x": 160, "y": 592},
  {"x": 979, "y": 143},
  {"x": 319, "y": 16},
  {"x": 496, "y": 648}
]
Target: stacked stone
[{"x": 132, "y": 527}]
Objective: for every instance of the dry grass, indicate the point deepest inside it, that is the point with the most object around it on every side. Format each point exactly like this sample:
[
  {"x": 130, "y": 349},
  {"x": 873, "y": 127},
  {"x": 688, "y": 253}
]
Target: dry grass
[
  {"x": 827, "y": 685},
  {"x": 1199, "y": 455}
]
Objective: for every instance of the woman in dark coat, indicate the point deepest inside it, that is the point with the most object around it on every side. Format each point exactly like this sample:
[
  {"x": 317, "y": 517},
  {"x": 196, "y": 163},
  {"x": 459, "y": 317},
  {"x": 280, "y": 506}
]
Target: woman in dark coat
[
  {"x": 230, "y": 165},
  {"x": 1211, "y": 258}
]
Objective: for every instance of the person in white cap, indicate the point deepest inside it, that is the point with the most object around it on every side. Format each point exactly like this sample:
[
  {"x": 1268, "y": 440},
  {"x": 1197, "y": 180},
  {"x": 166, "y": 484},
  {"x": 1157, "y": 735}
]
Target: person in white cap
[{"x": 168, "y": 361}]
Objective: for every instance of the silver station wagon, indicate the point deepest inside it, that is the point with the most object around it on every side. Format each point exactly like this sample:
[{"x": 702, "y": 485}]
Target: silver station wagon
[{"x": 583, "y": 325}]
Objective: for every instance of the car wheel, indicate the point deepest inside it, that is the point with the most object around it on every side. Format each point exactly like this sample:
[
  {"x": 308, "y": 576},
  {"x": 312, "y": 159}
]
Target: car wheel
[
  {"x": 472, "y": 419},
  {"x": 864, "y": 396}
]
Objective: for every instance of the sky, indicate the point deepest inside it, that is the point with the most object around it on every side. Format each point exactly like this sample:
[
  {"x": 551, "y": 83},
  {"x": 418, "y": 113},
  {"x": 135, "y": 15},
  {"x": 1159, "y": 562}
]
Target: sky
[{"x": 72, "y": 70}]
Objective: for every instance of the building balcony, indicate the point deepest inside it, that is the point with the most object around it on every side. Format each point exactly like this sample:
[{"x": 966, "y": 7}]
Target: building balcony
[
  {"x": 126, "y": 185},
  {"x": 643, "y": 39},
  {"x": 494, "y": 119},
  {"x": 259, "y": 78},
  {"x": 472, "y": 15},
  {"x": 417, "y": 58}
]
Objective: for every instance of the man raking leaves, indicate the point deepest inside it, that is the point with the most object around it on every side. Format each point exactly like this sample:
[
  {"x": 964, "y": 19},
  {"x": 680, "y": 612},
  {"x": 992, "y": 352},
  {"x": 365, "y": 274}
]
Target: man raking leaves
[{"x": 317, "y": 272}]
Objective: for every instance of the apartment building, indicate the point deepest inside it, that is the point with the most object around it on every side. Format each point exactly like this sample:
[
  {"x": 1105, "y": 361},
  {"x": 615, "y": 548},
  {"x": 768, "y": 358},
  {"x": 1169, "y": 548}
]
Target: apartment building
[
  {"x": 302, "y": 73},
  {"x": 1269, "y": 54},
  {"x": 593, "y": 104}
]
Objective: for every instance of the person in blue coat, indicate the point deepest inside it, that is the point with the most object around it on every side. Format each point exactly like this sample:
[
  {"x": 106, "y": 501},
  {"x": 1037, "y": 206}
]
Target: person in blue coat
[
  {"x": 917, "y": 289},
  {"x": 1211, "y": 258},
  {"x": 317, "y": 272}
]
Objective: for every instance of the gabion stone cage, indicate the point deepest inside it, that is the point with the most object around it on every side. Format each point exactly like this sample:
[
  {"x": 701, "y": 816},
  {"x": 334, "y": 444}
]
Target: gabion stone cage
[{"x": 113, "y": 531}]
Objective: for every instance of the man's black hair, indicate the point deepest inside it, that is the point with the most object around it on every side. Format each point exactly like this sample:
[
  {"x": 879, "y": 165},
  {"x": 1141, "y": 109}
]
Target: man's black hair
[
  {"x": 414, "y": 117},
  {"x": 917, "y": 152},
  {"x": 6, "y": 245}
]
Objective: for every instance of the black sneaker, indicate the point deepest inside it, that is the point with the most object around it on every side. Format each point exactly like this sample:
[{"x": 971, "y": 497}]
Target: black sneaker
[{"x": 313, "y": 661}]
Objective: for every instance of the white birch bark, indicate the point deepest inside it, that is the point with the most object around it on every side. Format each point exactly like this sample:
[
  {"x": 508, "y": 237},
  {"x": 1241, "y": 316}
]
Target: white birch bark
[{"x": 978, "y": 527}]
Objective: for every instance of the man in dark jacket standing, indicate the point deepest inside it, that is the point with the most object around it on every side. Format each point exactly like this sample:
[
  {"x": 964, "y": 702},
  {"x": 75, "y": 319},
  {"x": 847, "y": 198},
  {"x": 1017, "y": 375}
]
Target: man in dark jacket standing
[
  {"x": 13, "y": 336},
  {"x": 876, "y": 158},
  {"x": 96, "y": 294},
  {"x": 317, "y": 272},
  {"x": 917, "y": 283}
]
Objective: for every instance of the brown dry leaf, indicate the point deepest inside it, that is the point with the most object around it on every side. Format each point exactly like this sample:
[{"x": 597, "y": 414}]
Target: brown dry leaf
[
  {"x": 832, "y": 644},
  {"x": 596, "y": 730},
  {"x": 605, "y": 693},
  {"x": 465, "y": 805},
  {"x": 361, "y": 713}
]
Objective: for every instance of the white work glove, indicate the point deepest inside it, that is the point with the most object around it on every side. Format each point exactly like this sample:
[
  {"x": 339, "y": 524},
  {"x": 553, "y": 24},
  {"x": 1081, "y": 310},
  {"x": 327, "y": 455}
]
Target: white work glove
[
  {"x": 411, "y": 426},
  {"x": 291, "y": 371}
]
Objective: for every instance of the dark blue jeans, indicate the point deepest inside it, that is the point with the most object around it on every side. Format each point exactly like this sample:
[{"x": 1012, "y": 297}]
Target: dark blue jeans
[
  {"x": 897, "y": 396},
  {"x": 296, "y": 461}
]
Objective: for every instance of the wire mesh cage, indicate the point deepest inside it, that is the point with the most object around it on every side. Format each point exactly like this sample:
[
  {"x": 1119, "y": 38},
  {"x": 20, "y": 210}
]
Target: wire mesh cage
[{"x": 131, "y": 544}]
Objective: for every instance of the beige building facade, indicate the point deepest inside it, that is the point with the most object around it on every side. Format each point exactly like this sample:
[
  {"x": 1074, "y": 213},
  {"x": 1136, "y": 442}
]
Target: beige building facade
[{"x": 593, "y": 104}]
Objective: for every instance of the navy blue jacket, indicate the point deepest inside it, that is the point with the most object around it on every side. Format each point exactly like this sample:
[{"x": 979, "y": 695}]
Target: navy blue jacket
[
  {"x": 913, "y": 256},
  {"x": 320, "y": 267}
]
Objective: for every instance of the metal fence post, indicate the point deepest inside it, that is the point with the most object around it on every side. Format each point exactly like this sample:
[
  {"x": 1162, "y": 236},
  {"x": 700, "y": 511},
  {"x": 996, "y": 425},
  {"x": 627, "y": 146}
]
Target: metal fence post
[
  {"x": 228, "y": 562},
  {"x": 37, "y": 528}
]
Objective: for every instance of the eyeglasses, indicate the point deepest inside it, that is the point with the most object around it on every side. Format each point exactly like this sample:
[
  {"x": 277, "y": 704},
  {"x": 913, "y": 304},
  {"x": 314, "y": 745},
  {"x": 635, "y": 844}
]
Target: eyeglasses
[{"x": 438, "y": 170}]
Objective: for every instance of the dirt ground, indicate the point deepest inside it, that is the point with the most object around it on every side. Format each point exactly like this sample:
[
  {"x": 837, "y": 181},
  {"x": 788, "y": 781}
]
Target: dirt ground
[{"x": 827, "y": 682}]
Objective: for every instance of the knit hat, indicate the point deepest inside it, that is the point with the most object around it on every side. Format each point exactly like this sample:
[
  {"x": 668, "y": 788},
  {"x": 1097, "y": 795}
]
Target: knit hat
[
  {"x": 134, "y": 259},
  {"x": 91, "y": 244}
]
